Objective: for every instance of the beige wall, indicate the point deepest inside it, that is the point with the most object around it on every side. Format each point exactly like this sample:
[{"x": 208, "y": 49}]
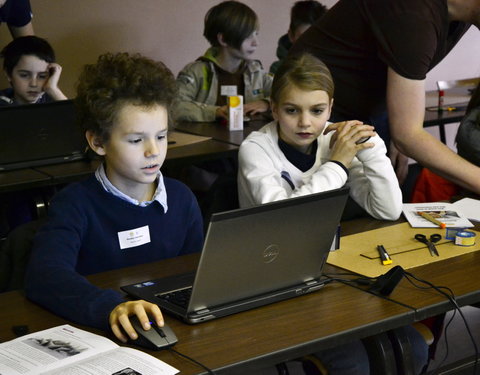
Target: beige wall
[
  {"x": 167, "y": 30},
  {"x": 171, "y": 31}
]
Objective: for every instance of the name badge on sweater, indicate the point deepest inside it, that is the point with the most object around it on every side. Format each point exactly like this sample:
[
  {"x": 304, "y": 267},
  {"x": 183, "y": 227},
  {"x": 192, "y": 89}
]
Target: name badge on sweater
[
  {"x": 228, "y": 90},
  {"x": 134, "y": 237}
]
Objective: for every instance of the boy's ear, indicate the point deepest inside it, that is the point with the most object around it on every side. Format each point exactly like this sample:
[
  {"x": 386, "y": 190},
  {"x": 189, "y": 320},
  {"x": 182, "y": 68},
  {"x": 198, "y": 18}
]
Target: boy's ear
[
  {"x": 95, "y": 143},
  {"x": 291, "y": 35},
  {"x": 221, "y": 40}
]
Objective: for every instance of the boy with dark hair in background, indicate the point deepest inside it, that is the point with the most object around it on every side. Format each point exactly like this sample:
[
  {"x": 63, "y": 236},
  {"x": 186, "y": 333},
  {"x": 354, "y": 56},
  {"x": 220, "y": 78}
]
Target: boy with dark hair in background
[
  {"x": 29, "y": 63},
  {"x": 302, "y": 15},
  {"x": 231, "y": 27}
]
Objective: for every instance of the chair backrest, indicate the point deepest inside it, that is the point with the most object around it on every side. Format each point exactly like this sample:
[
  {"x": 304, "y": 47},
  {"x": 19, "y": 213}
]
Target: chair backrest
[{"x": 15, "y": 254}]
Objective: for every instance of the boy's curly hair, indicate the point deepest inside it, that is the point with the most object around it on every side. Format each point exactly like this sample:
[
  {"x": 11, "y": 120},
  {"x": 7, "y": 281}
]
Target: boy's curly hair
[{"x": 117, "y": 79}]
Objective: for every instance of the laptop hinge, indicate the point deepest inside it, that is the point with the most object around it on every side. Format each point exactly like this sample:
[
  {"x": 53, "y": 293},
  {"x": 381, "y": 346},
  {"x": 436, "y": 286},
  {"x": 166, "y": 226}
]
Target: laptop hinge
[{"x": 202, "y": 311}]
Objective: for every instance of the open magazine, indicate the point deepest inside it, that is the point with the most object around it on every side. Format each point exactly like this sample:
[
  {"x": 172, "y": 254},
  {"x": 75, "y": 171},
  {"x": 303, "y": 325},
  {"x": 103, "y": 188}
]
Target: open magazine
[
  {"x": 446, "y": 213},
  {"x": 68, "y": 350}
]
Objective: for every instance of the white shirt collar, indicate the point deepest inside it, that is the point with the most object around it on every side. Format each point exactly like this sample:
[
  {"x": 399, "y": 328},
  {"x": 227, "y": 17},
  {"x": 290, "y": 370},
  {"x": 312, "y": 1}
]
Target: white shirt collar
[{"x": 160, "y": 194}]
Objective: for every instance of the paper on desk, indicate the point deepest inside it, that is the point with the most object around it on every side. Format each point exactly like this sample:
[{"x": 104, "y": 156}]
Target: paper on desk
[
  {"x": 469, "y": 207},
  {"x": 176, "y": 139},
  {"x": 66, "y": 350},
  {"x": 447, "y": 213}
]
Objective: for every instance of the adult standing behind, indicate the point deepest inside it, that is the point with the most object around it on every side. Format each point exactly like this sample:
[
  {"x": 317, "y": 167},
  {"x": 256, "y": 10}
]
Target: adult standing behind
[
  {"x": 17, "y": 14},
  {"x": 379, "y": 63},
  {"x": 303, "y": 14}
]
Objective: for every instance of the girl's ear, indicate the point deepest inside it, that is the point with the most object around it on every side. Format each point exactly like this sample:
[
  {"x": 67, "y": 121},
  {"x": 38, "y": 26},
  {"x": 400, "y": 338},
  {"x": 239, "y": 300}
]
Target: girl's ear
[
  {"x": 95, "y": 143},
  {"x": 330, "y": 108}
]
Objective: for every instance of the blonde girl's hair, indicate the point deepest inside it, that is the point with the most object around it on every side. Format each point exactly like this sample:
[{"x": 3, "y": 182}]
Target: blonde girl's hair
[{"x": 303, "y": 71}]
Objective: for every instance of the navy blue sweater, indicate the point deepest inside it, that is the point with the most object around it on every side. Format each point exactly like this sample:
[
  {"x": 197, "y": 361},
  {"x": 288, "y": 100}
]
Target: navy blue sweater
[{"x": 81, "y": 238}]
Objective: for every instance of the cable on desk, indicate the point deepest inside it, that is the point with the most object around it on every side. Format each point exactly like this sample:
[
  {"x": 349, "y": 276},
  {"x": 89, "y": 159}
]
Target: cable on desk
[
  {"x": 363, "y": 280},
  {"x": 445, "y": 340},
  {"x": 451, "y": 297},
  {"x": 192, "y": 360}
]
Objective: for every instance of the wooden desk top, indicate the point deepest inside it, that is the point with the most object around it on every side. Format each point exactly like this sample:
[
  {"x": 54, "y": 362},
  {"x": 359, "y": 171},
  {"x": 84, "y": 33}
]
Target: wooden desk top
[
  {"x": 280, "y": 331},
  {"x": 208, "y": 149},
  {"x": 221, "y": 132},
  {"x": 433, "y": 118},
  {"x": 237, "y": 343},
  {"x": 460, "y": 274},
  {"x": 73, "y": 171},
  {"x": 452, "y": 98},
  {"x": 22, "y": 179}
]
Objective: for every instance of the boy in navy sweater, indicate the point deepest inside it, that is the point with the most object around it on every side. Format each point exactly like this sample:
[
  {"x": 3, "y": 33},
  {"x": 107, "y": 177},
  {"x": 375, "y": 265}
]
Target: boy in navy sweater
[{"x": 127, "y": 213}]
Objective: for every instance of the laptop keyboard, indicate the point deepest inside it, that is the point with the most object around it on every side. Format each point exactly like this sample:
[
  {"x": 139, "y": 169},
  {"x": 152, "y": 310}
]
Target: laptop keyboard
[{"x": 178, "y": 297}]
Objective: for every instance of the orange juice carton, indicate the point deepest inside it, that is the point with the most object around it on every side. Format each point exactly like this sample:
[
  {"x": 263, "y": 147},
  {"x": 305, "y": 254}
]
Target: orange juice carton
[{"x": 235, "y": 112}]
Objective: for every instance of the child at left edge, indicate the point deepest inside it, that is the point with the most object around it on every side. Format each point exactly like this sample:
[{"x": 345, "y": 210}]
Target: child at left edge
[
  {"x": 31, "y": 69},
  {"x": 125, "y": 214}
]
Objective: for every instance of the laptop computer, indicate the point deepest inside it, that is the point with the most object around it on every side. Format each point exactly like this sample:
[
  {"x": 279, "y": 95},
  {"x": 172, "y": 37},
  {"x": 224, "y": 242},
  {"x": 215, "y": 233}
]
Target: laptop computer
[
  {"x": 252, "y": 257},
  {"x": 40, "y": 134}
]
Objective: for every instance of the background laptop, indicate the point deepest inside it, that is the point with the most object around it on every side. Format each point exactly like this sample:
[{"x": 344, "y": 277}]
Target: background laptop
[
  {"x": 252, "y": 257},
  {"x": 40, "y": 134}
]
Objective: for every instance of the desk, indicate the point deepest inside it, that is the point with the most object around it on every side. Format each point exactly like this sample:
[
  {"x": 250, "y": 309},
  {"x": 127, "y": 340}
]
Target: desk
[
  {"x": 220, "y": 132},
  {"x": 433, "y": 118},
  {"x": 440, "y": 119},
  {"x": 22, "y": 179},
  {"x": 460, "y": 274},
  {"x": 277, "y": 332},
  {"x": 238, "y": 343},
  {"x": 273, "y": 333},
  {"x": 57, "y": 174}
]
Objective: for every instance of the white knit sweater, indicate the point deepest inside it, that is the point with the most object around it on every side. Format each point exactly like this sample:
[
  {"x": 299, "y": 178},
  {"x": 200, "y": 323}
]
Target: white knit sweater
[{"x": 372, "y": 180}]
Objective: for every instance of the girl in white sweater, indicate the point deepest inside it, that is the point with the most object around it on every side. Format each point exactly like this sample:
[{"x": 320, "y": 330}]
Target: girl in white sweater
[{"x": 301, "y": 153}]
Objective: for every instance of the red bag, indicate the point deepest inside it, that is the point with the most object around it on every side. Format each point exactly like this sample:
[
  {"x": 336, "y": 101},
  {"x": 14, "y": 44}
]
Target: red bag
[{"x": 430, "y": 187}]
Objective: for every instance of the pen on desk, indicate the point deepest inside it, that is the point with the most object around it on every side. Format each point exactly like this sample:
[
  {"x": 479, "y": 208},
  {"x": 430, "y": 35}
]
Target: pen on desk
[
  {"x": 384, "y": 256},
  {"x": 432, "y": 219},
  {"x": 171, "y": 142}
]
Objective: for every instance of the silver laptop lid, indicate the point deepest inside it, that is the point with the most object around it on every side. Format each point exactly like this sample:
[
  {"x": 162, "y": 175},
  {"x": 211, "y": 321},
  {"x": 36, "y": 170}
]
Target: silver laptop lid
[{"x": 257, "y": 250}]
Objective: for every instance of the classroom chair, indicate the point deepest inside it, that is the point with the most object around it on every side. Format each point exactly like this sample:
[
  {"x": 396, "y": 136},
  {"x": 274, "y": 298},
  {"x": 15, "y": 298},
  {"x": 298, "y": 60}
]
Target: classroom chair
[
  {"x": 381, "y": 354},
  {"x": 15, "y": 254}
]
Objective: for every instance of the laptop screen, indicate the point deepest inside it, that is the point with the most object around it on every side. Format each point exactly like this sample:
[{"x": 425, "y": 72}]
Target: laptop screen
[
  {"x": 252, "y": 257},
  {"x": 39, "y": 134},
  {"x": 260, "y": 249}
]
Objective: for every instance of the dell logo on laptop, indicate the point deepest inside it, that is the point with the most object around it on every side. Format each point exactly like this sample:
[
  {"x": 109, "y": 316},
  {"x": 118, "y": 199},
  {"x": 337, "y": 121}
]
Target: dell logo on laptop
[{"x": 270, "y": 253}]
